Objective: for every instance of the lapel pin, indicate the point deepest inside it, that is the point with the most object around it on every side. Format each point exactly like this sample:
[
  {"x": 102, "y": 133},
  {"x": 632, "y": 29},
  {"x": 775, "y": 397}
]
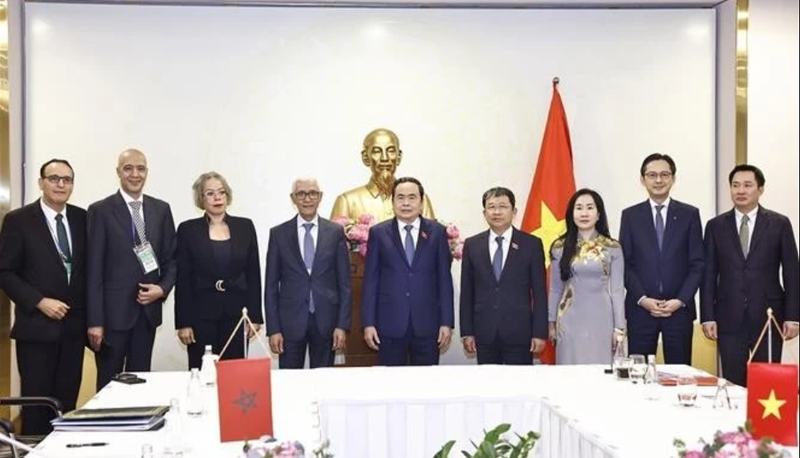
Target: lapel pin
[
  {"x": 424, "y": 235},
  {"x": 514, "y": 246}
]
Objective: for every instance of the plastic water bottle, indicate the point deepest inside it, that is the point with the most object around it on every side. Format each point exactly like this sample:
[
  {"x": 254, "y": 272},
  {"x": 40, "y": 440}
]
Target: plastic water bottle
[
  {"x": 618, "y": 362},
  {"x": 208, "y": 368},
  {"x": 174, "y": 430},
  {"x": 194, "y": 394},
  {"x": 652, "y": 370}
]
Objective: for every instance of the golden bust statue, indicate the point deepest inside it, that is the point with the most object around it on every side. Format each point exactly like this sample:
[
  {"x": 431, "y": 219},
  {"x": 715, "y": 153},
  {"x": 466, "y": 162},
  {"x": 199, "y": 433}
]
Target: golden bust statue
[{"x": 382, "y": 155}]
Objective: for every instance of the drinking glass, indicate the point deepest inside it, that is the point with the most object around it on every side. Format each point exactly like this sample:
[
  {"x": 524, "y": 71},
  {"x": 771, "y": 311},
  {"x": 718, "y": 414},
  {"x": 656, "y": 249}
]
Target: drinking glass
[
  {"x": 687, "y": 390},
  {"x": 638, "y": 368}
]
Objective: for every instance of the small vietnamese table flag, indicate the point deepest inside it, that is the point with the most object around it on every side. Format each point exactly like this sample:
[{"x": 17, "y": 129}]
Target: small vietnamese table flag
[
  {"x": 772, "y": 393},
  {"x": 553, "y": 184},
  {"x": 772, "y": 401},
  {"x": 244, "y": 392}
]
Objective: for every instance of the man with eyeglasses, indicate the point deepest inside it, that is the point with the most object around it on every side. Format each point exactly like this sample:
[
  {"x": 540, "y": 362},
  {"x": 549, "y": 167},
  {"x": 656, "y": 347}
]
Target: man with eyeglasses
[
  {"x": 43, "y": 271},
  {"x": 503, "y": 288},
  {"x": 308, "y": 293},
  {"x": 131, "y": 271},
  {"x": 662, "y": 241}
]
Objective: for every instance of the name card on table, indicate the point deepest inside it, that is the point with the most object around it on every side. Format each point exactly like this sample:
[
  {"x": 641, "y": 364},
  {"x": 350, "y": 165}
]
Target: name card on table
[{"x": 245, "y": 399}]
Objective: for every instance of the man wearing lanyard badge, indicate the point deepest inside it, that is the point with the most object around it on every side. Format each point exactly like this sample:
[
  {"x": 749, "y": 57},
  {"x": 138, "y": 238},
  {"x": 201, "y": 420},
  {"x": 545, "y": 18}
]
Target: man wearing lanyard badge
[
  {"x": 131, "y": 270},
  {"x": 42, "y": 269}
]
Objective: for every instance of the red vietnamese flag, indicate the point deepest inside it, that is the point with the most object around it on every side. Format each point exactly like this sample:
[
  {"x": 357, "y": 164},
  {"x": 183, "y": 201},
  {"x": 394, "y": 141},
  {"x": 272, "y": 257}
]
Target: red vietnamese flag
[
  {"x": 244, "y": 389},
  {"x": 772, "y": 401},
  {"x": 553, "y": 185}
]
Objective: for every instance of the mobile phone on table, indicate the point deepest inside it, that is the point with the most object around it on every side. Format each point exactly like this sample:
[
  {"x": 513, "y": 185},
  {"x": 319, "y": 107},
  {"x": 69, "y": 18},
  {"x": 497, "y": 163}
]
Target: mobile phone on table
[{"x": 128, "y": 378}]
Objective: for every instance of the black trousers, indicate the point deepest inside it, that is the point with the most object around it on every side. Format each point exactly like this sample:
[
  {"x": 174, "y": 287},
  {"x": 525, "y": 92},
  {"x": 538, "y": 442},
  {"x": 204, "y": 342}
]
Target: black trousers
[
  {"x": 216, "y": 333},
  {"x": 734, "y": 349},
  {"x": 125, "y": 351},
  {"x": 500, "y": 352},
  {"x": 49, "y": 369}
]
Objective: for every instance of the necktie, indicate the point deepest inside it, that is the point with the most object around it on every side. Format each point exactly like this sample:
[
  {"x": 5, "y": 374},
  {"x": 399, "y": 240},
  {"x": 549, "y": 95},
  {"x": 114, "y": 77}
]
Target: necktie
[
  {"x": 308, "y": 258},
  {"x": 744, "y": 235},
  {"x": 409, "y": 245},
  {"x": 138, "y": 222},
  {"x": 497, "y": 260},
  {"x": 659, "y": 226},
  {"x": 63, "y": 241}
]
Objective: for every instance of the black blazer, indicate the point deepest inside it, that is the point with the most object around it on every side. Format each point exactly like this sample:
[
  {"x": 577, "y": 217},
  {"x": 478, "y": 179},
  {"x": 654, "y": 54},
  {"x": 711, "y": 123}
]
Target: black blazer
[
  {"x": 114, "y": 272},
  {"x": 734, "y": 286},
  {"x": 31, "y": 269},
  {"x": 196, "y": 295},
  {"x": 516, "y": 306},
  {"x": 288, "y": 283}
]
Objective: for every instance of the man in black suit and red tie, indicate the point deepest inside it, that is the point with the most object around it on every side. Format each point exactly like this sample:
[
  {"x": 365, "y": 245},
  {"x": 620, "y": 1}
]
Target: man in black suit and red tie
[
  {"x": 503, "y": 288},
  {"x": 751, "y": 265},
  {"x": 42, "y": 269},
  {"x": 131, "y": 270}
]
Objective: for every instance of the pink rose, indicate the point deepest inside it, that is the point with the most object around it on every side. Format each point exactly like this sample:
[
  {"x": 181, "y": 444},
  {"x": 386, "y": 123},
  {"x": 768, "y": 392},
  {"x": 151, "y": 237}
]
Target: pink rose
[
  {"x": 366, "y": 219},
  {"x": 362, "y": 250},
  {"x": 452, "y": 231},
  {"x": 694, "y": 454}
]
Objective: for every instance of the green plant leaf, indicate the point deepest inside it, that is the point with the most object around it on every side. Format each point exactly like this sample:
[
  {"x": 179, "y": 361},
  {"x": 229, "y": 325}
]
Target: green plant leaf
[{"x": 445, "y": 451}]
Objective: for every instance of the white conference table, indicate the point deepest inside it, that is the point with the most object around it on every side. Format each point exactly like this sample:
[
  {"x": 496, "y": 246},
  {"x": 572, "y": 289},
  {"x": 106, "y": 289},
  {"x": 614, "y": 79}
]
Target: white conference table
[{"x": 382, "y": 412}]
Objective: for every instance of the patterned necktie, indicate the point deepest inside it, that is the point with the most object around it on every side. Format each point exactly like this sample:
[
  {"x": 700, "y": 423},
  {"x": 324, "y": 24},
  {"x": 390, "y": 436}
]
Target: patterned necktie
[
  {"x": 744, "y": 235},
  {"x": 308, "y": 258},
  {"x": 409, "y": 245},
  {"x": 659, "y": 226},
  {"x": 497, "y": 260},
  {"x": 63, "y": 241},
  {"x": 138, "y": 222}
]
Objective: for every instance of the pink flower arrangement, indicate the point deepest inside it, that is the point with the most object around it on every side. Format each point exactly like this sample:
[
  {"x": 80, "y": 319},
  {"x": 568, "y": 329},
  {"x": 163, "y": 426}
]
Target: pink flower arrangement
[
  {"x": 269, "y": 447},
  {"x": 356, "y": 232},
  {"x": 731, "y": 444},
  {"x": 454, "y": 240}
]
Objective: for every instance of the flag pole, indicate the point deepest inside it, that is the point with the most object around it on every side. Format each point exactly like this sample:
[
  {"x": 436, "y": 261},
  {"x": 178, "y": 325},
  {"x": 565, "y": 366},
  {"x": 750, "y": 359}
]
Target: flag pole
[
  {"x": 244, "y": 330},
  {"x": 556, "y": 80},
  {"x": 769, "y": 334}
]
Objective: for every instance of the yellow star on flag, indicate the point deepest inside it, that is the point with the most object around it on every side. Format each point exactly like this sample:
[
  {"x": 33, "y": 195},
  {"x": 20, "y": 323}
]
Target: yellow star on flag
[
  {"x": 772, "y": 405},
  {"x": 549, "y": 231}
]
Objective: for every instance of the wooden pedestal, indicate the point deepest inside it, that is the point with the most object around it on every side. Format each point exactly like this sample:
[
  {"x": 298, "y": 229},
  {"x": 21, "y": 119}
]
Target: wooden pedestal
[{"x": 357, "y": 354}]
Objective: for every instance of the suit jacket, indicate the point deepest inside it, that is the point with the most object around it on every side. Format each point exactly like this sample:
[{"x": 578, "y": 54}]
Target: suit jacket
[
  {"x": 396, "y": 293},
  {"x": 31, "y": 269},
  {"x": 289, "y": 285},
  {"x": 677, "y": 267},
  {"x": 196, "y": 294},
  {"x": 515, "y": 307},
  {"x": 113, "y": 270},
  {"x": 734, "y": 287}
]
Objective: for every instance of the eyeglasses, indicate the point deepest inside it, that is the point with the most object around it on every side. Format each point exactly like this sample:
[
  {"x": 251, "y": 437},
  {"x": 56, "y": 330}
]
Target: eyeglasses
[
  {"x": 657, "y": 175},
  {"x": 303, "y": 195},
  {"x": 54, "y": 179},
  {"x": 210, "y": 194},
  {"x": 498, "y": 208}
]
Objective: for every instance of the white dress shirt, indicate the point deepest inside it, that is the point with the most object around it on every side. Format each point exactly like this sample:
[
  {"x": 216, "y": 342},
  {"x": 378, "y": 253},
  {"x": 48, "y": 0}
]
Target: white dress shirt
[
  {"x": 750, "y": 224},
  {"x": 414, "y": 231},
  {"x": 301, "y": 234},
  {"x": 128, "y": 199},
  {"x": 50, "y": 216},
  {"x": 654, "y": 211},
  {"x": 506, "y": 243}
]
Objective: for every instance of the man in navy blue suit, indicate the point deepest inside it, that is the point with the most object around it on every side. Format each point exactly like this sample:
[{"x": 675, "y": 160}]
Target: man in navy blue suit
[
  {"x": 407, "y": 296},
  {"x": 308, "y": 292},
  {"x": 662, "y": 240}
]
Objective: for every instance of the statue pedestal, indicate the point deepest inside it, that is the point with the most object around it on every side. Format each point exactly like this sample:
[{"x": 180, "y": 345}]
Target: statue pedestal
[{"x": 357, "y": 354}]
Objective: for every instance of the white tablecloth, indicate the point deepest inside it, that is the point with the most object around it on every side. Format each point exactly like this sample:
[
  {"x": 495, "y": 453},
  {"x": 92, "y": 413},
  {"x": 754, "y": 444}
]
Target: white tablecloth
[{"x": 410, "y": 412}]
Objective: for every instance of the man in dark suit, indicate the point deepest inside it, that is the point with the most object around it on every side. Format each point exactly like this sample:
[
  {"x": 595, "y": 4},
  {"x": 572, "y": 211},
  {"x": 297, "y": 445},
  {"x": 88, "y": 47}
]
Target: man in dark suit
[
  {"x": 746, "y": 250},
  {"x": 308, "y": 292},
  {"x": 662, "y": 241},
  {"x": 503, "y": 287},
  {"x": 407, "y": 297},
  {"x": 43, "y": 270},
  {"x": 131, "y": 270}
]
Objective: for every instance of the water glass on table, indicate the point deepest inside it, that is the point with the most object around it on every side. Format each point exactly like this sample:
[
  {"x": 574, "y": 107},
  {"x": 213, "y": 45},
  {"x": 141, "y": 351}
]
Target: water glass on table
[
  {"x": 687, "y": 390},
  {"x": 638, "y": 368}
]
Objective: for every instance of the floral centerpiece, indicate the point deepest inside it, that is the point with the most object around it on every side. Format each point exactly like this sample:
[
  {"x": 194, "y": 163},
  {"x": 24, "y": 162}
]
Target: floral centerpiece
[
  {"x": 738, "y": 443},
  {"x": 356, "y": 232},
  {"x": 269, "y": 447},
  {"x": 454, "y": 240}
]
